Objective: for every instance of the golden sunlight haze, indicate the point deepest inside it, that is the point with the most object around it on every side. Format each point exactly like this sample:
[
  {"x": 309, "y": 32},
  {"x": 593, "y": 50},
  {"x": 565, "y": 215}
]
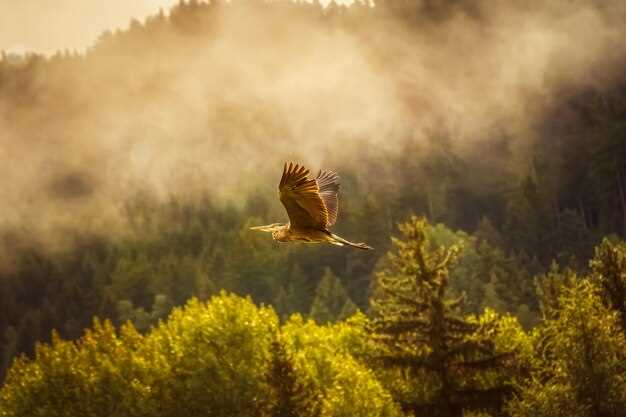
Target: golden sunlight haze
[{"x": 46, "y": 26}]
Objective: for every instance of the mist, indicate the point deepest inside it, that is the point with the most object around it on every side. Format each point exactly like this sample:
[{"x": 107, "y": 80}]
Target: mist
[{"x": 214, "y": 100}]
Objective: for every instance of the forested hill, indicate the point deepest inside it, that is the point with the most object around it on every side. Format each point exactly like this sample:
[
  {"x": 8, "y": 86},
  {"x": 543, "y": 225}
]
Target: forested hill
[{"x": 132, "y": 172}]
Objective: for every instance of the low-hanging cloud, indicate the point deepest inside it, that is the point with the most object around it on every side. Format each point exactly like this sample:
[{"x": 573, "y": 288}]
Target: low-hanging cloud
[{"x": 219, "y": 102}]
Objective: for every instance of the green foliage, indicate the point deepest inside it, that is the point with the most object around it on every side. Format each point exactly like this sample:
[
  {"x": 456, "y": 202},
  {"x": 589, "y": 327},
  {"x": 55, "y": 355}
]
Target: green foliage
[
  {"x": 291, "y": 396},
  {"x": 141, "y": 319},
  {"x": 529, "y": 203},
  {"x": 331, "y": 300},
  {"x": 419, "y": 354},
  {"x": 551, "y": 285},
  {"x": 295, "y": 295},
  {"x": 329, "y": 357},
  {"x": 485, "y": 275},
  {"x": 206, "y": 359},
  {"x": 579, "y": 367},
  {"x": 224, "y": 357},
  {"x": 609, "y": 272},
  {"x": 418, "y": 331},
  {"x": 220, "y": 352},
  {"x": 96, "y": 376}
]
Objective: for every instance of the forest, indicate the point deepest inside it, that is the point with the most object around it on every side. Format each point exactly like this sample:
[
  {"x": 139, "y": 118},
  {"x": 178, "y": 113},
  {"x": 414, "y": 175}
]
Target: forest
[{"x": 482, "y": 153}]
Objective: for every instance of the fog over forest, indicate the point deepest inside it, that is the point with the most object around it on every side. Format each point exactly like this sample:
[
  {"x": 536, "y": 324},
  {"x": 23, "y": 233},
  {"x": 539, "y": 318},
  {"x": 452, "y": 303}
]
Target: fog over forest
[
  {"x": 133, "y": 167},
  {"x": 158, "y": 108}
]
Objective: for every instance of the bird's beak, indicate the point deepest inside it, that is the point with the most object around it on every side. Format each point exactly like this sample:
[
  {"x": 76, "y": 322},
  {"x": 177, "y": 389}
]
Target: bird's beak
[
  {"x": 261, "y": 228},
  {"x": 267, "y": 228}
]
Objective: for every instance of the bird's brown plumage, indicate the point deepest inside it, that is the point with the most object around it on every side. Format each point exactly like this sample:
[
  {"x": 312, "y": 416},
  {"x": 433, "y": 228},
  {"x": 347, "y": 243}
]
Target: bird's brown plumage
[
  {"x": 310, "y": 203},
  {"x": 328, "y": 183},
  {"x": 312, "y": 206}
]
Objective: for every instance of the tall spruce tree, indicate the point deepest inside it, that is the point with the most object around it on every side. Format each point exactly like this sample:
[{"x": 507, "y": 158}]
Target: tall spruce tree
[
  {"x": 291, "y": 396},
  {"x": 418, "y": 330},
  {"x": 579, "y": 363},
  {"x": 331, "y": 301},
  {"x": 609, "y": 272}
]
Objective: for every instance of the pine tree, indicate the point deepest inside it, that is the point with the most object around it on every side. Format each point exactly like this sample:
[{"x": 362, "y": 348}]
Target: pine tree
[
  {"x": 281, "y": 303},
  {"x": 331, "y": 300},
  {"x": 551, "y": 285},
  {"x": 299, "y": 290},
  {"x": 488, "y": 232},
  {"x": 491, "y": 297},
  {"x": 580, "y": 359},
  {"x": 161, "y": 308},
  {"x": 609, "y": 271},
  {"x": 295, "y": 295},
  {"x": 417, "y": 329},
  {"x": 291, "y": 397}
]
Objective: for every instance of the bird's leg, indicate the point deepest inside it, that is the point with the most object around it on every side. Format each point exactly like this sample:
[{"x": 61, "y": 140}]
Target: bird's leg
[{"x": 338, "y": 240}]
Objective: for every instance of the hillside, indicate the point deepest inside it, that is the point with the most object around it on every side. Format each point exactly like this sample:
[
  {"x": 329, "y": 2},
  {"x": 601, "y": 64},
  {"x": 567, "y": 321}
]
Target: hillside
[{"x": 132, "y": 172}]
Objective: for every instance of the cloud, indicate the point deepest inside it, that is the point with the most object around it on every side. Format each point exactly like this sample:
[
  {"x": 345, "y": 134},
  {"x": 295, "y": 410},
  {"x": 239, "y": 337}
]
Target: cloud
[{"x": 220, "y": 98}]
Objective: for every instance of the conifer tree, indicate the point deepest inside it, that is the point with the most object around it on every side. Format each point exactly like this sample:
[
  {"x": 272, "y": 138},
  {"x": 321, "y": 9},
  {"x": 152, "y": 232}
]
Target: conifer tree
[
  {"x": 609, "y": 271},
  {"x": 331, "y": 300},
  {"x": 551, "y": 285},
  {"x": 291, "y": 396},
  {"x": 299, "y": 290},
  {"x": 491, "y": 297},
  {"x": 579, "y": 359},
  {"x": 418, "y": 330},
  {"x": 281, "y": 303}
]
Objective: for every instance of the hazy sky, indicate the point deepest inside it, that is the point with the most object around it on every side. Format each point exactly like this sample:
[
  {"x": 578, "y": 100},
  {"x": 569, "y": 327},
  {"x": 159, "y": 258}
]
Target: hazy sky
[{"x": 49, "y": 25}]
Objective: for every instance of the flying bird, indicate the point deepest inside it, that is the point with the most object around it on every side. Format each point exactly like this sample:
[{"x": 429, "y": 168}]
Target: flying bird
[{"x": 312, "y": 206}]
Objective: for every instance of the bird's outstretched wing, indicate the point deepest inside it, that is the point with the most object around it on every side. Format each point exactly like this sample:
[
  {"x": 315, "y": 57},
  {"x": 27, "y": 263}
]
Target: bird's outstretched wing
[
  {"x": 301, "y": 197},
  {"x": 328, "y": 183}
]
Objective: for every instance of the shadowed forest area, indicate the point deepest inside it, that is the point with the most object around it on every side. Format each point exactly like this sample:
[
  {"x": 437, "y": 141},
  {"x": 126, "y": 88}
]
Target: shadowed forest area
[{"x": 132, "y": 172}]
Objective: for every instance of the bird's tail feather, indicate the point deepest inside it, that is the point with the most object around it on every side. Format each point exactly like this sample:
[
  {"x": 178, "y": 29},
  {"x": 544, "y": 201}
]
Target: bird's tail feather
[{"x": 338, "y": 240}]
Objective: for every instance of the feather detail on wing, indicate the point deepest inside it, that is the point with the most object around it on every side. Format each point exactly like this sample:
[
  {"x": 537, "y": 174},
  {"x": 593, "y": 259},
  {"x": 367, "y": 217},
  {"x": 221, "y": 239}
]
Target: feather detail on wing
[
  {"x": 301, "y": 197},
  {"x": 328, "y": 184}
]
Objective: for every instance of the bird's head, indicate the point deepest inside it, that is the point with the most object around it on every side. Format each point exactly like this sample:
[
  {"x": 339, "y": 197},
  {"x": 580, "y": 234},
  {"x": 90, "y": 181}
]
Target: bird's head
[{"x": 280, "y": 234}]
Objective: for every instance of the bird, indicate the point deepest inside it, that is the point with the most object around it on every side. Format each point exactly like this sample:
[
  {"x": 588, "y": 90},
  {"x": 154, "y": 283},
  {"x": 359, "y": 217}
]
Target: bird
[{"x": 312, "y": 206}]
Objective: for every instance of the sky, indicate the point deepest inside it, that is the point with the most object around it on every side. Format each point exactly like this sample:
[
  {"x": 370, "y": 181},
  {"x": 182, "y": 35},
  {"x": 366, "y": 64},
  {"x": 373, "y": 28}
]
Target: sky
[{"x": 45, "y": 26}]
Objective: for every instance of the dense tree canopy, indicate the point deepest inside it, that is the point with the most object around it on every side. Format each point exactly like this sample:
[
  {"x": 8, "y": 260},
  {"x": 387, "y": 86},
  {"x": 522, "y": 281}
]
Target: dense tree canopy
[
  {"x": 418, "y": 353},
  {"x": 510, "y": 299},
  {"x": 418, "y": 330},
  {"x": 224, "y": 357}
]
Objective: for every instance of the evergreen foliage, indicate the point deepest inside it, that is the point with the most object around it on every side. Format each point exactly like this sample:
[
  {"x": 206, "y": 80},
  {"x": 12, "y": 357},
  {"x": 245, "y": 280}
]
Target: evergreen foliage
[
  {"x": 419, "y": 353},
  {"x": 515, "y": 217},
  {"x": 579, "y": 366},
  {"x": 419, "y": 330},
  {"x": 549, "y": 193},
  {"x": 609, "y": 272},
  {"x": 290, "y": 397},
  {"x": 331, "y": 300}
]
